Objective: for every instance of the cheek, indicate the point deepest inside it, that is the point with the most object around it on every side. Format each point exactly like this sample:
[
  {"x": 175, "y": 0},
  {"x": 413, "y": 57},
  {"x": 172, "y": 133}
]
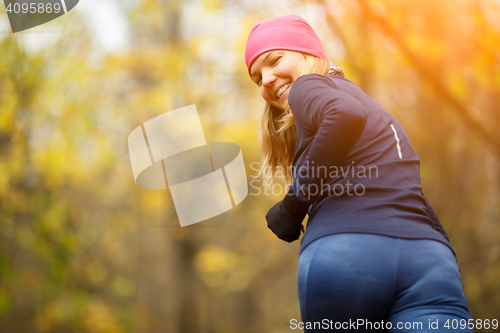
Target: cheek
[
  {"x": 265, "y": 94},
  {"x": 297, "y": 71}
]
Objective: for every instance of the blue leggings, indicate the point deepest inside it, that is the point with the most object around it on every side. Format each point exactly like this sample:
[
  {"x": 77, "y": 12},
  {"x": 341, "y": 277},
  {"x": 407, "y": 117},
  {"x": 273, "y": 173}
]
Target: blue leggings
[{"x": 372, "y": 283}]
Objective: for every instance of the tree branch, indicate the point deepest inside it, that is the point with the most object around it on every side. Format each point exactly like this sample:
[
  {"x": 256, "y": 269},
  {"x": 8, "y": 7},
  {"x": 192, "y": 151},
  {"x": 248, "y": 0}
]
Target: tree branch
[{"x": 432, "y": 75}]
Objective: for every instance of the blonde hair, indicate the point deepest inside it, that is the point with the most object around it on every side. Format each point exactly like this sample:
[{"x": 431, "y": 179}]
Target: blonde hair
[{"x": 277, "y": 134}]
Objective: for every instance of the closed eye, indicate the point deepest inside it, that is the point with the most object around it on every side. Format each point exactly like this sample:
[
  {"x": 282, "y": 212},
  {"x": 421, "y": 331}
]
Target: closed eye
[{"x": 275, "y": 61}]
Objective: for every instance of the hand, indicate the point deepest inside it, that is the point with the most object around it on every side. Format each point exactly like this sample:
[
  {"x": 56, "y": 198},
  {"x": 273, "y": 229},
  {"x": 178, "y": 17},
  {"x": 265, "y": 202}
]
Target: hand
[{"x": 282, "y": 224}]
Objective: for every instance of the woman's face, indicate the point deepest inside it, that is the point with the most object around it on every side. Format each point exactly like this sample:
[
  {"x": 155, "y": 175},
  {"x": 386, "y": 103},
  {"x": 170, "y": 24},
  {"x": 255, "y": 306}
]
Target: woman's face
[{"x": 274, "y": 72}]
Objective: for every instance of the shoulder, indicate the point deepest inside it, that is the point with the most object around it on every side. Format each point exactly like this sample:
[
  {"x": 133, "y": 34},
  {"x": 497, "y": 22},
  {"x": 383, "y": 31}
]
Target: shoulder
[
  {"x": 332, "y": 86},
  {"x": 308, "y": 85},
  {"x": 307, "y": 80},
  {"x": 333, "y": 79}
]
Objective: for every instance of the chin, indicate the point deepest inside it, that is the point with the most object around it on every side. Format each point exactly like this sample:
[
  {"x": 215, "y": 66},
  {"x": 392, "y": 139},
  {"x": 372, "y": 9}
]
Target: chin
[
  {"x": 284, "y": 106},
  {"x": 281, "y": 107}
]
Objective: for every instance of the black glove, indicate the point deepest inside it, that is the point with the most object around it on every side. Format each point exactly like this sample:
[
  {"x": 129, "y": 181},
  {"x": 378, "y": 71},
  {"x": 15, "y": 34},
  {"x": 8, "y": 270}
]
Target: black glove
[{"x": 283, "y": 225}]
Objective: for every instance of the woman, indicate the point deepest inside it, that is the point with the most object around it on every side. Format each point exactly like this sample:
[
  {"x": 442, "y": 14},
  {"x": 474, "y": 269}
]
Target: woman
[{"x": 374, "y": 255}]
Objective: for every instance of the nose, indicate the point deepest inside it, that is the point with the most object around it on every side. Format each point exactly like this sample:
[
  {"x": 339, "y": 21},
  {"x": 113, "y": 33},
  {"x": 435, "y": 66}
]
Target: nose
[{"x": 268, "y": 78}]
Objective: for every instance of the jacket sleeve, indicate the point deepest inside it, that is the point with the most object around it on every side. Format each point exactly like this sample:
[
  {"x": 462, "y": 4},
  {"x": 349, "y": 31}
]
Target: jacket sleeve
[{"x": 338, "y": 120}]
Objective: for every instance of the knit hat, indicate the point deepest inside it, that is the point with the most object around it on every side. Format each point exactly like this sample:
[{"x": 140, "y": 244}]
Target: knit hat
[{"x": 287, "y": 32}]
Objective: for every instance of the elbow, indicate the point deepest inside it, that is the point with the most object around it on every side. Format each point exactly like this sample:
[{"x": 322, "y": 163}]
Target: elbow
[
  {"x": 359, "y": 115},
  {"x": 356, "y": 118},
  {"x": 354, "y": 123}
]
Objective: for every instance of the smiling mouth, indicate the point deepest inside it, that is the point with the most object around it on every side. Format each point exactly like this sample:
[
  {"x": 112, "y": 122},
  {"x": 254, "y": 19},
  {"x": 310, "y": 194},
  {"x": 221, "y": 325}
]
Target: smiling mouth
[{"x": 282, "y": 90}]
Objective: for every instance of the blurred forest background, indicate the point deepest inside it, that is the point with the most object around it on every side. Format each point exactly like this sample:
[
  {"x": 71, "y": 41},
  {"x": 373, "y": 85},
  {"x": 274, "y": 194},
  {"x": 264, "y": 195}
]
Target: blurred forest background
[{"x": 83, "y": 249}]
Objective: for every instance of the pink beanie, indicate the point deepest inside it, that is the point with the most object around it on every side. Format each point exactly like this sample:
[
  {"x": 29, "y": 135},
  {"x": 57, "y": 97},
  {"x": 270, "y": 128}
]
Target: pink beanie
[{"x": 287, "y": 32}]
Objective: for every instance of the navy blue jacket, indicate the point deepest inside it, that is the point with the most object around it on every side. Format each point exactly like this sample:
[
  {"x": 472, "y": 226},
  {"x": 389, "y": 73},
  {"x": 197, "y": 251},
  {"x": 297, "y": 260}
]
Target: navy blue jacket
[{"x": 355, "y": 170}]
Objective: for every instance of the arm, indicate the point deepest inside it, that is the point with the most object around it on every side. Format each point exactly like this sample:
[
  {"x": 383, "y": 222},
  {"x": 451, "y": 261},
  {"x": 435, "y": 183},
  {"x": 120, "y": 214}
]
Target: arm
[{"x": 338, "y": 120}]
